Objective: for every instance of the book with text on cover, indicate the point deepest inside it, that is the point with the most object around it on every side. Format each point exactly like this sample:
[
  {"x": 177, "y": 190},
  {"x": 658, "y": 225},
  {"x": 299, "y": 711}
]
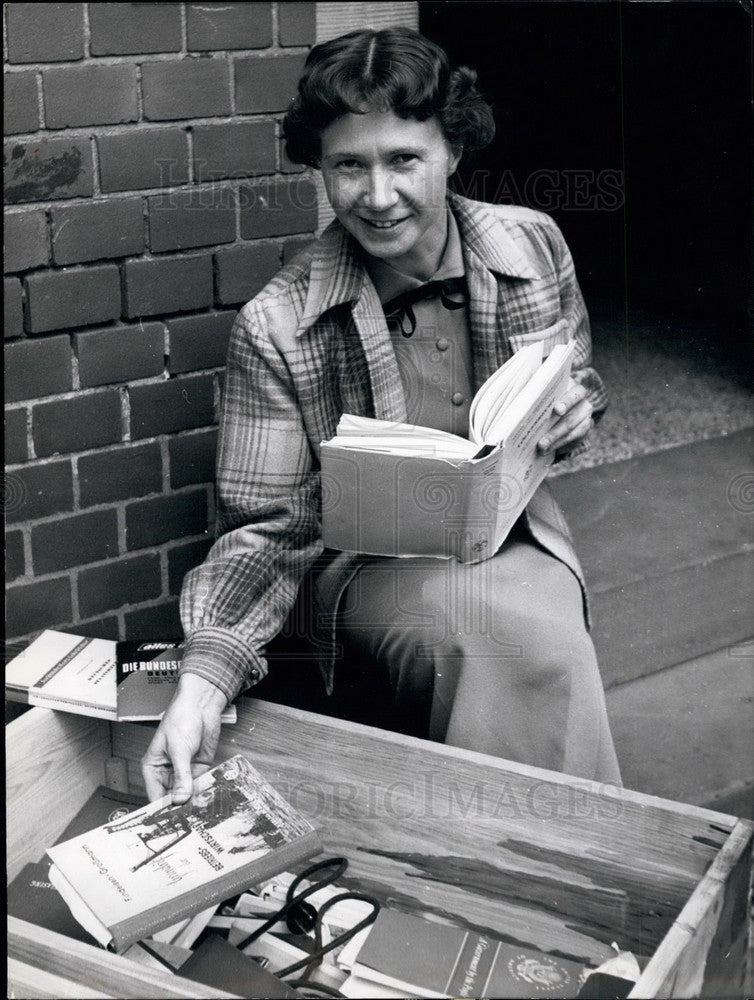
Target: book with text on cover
[
  {"x": 75, "y": 673},
  {"x": 429, "y": 959},
  {"x": 154, "y": 866},
  {"x": 402, "y": 490}
]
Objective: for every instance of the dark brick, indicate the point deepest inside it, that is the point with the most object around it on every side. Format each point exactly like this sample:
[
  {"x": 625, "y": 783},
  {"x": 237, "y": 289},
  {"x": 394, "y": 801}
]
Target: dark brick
[
  {"x": 119, "y": 29},
  {"x": 97, "y": 628},
  {"x": 20, "y": 103},
  {"x": 72, "y": 297},
  {"x": 15, "y": 561},
  {"x": 295, "y": 246},
  {"x": 243, "y": 271},
  {"x": 276, "y": 208},
  {"x": 192, "y": 458},
  {"x": 16, "y": 444},
  {"x": 120, "y": 474},
  {"x": 100, "y": 229},
  {"x": 123, "y": 581},
  {"x": 228, "y": 26},
  {"x": 150, "y": 159},
  {"x": 242, "y": 149},
  {"x": 35, "y": 368},
  {"x": 13, "y": 310},
  {"x": 25, "y": 242},
  {"x": 184, "y": 219},
  {"x": 288, "y": 166},
  {"x": 156, "y": 622},
  {"x": 38, "y": 491},
  {"x": 150, "y": 522},
  {"x": 166, "y": 286},
  {"x": 199, "y": 341},
  {"x": 45, "y": 32},
  {"x": 267, "y": 84},
  {"x": 43, "y": 169},
  {"x": 189, "y": 88},
  {"x": 183, "y": 558},
  {"x": 32, "y": 606},
  {"x": 75, "y": 424},
  {"x": 74, "y": 541},
  {"x": 120, "y": 353},
  {"x": 297, "y": 23},
  {"x": 89, "y": 95},
  {"x": 177, "y": 405}
]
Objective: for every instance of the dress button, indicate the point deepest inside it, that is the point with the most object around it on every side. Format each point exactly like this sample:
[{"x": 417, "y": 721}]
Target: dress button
[
  {"x": 457, "y": 398},
  {"x": 442, "y": 344}
]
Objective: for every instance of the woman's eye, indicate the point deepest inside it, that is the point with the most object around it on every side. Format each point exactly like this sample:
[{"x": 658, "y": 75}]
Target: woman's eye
[
  {"x": 403, "y": 159},
  {"x": 347, "y": 165}
]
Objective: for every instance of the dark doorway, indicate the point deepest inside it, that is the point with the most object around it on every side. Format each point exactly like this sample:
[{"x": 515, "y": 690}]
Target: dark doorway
[{"x": 629, "y": 123}]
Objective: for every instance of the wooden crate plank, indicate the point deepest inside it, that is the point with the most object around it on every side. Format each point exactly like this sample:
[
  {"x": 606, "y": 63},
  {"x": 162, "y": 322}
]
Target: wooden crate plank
[
  {"x": 54, "y": 761},
  {"x": 100, "y": 970}
]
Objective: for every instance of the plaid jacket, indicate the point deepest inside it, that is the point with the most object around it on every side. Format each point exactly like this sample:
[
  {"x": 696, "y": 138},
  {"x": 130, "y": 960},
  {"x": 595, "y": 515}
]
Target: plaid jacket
[{"x": 313, "y": 345}]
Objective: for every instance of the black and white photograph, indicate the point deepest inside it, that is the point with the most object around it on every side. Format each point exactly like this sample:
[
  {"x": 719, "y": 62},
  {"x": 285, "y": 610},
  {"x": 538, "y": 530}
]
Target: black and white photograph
[{"x": 390, "y": 365}]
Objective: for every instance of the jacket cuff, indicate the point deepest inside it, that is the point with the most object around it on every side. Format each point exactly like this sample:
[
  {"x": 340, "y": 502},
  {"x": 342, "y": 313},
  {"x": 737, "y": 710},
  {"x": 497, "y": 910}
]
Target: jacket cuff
[{"x": 220, "y": 657}]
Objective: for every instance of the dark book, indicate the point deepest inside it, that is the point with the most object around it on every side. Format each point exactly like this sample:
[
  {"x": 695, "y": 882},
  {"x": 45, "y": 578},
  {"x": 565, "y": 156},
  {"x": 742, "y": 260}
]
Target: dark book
[
  {"x": 104, "y": 805},
  {"x": 146, "y": 674},
  {"x": 429, "y": 959},
  {"x": 128, "y": 878},
  {"x": 217, "y": 963},
  {"x": 32, "y": 897}
]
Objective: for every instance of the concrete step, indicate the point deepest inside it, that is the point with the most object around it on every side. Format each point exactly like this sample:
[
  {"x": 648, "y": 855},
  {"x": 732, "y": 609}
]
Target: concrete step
[
  {"x": 687, "y": 732},
  {"x": 666, "y": 544}
]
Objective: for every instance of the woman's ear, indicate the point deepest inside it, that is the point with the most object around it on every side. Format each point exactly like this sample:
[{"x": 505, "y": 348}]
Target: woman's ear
[{"x": 454, "y": 159}]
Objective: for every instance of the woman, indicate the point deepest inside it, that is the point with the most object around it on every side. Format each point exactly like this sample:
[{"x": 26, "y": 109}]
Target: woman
[{"x": 493, "y": 656}]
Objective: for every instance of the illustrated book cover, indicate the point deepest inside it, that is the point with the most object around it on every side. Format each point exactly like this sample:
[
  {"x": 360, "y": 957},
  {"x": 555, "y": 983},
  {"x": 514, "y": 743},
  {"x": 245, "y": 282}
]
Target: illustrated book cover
[
  {"x": 429, "y": 959},
  {"x": 75, "y": 673},
  {"x": 147, "y": 870},
  {"x": 404, "y": 490}
]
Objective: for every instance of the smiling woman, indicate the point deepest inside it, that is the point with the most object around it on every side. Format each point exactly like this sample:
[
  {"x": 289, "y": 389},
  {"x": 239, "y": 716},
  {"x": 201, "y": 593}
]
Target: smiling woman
[{"x": 409, "y": 301}]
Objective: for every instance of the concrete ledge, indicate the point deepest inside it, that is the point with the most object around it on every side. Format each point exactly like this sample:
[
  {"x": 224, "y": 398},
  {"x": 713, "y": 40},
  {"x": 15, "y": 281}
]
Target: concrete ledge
[{"x": 666, "y": 542}]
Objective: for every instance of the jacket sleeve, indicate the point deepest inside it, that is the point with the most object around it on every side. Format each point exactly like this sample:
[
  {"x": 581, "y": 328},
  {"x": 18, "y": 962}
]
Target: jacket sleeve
[
  {"x": 268, "y": 529},
  {"x": 574, "y": 309}
]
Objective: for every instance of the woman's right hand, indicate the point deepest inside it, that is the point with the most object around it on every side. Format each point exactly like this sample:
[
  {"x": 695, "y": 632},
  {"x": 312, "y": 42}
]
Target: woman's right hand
[{"x": 185, "y": 742}]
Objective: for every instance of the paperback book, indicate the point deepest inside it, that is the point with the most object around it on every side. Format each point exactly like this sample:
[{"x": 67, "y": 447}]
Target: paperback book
[
  {"x": 428, "y": 959},
  {"x": 404, "y": 490},
  {"x": 156, "y": 865},
  {"x": 97, "y": 677}
]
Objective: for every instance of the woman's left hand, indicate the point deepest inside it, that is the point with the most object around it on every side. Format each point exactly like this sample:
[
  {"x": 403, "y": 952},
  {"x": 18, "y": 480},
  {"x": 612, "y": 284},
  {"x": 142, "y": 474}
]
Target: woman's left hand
[{"x": 574, "y": 419}]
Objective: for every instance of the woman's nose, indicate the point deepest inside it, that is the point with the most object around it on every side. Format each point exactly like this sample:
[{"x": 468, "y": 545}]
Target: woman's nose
[{"x": 380, "y": 193}]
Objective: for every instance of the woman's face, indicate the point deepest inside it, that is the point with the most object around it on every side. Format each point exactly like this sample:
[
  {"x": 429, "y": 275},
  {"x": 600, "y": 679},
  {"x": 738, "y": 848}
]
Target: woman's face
[{"x": 386, "y": 178}]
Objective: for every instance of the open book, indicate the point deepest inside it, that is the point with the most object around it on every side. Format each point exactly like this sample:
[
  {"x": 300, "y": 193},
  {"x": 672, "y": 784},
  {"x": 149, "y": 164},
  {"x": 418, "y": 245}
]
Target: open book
[{"x": 404, "y": 490}]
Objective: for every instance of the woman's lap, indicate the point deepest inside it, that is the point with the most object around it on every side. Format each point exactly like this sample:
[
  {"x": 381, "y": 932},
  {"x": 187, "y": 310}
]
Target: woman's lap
[{"x": 492, "y": 656}]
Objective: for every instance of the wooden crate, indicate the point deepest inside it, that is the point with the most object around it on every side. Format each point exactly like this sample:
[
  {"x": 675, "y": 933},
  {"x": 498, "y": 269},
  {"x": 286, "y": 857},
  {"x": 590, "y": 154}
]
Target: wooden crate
[{"x": 561, "y": 864}]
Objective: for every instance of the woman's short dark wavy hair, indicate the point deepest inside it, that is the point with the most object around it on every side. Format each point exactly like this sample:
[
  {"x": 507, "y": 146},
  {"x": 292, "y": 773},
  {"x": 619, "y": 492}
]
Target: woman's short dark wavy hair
[{"x": 394, "y": 69}]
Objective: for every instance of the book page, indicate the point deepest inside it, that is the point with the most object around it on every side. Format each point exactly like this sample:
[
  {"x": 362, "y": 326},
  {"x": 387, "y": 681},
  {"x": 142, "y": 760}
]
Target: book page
[{"x": 498, "y": 391}]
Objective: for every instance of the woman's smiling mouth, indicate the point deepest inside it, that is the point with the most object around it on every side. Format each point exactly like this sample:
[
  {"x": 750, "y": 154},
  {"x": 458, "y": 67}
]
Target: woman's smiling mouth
[{"x": 382, "y": 223}]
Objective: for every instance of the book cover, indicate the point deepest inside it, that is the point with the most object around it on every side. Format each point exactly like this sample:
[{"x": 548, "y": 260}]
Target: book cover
[
  {"x": 146, "y": 674},
  {"x": 404, "y": 490},
  {"x": 440, "y": 960},
  {"x": 33, "y": 897},
  {"x": 104, "y": 805},
  {"x": 78, "y": 674},
  {"x": 149, "y": 869}
]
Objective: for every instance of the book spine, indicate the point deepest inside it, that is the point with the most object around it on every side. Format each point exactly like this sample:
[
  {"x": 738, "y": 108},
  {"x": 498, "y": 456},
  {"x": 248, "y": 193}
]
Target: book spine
[{"x": 42, "y": 700}]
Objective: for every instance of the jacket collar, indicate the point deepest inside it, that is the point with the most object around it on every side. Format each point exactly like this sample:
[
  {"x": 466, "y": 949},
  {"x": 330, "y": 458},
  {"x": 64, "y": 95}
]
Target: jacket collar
[{"x": 338, "y": 276}]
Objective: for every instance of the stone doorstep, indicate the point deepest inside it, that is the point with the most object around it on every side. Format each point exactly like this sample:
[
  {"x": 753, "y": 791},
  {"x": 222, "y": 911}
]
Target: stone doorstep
[
  {"x": 666, "y": 541},
  {"x": 687, "y": 733}
]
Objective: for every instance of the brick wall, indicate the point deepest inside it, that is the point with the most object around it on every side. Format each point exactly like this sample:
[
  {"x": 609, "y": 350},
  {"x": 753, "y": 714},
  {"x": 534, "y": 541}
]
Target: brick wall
[{"x": 147, "y": 198}]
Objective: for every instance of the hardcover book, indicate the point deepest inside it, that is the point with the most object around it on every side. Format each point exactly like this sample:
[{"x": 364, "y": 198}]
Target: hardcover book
[
  {"x": 403, "y": 490},
  {"x": 429, "y": 959},
  {"x": 74, "y": 673},
  {"x": 147, "y": 870}
]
